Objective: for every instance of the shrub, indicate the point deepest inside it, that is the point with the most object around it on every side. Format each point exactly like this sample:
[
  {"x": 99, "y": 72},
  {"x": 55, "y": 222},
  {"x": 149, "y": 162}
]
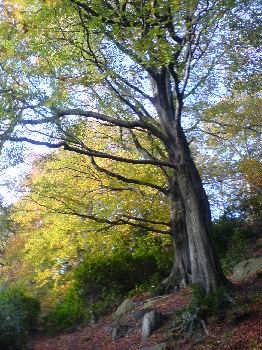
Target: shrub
[
  {"x": 106, "y": 302},
  {"x": 212, "y": 304},
  {"x": 102, "y": 280},
  {"x": 65, "y": 314},
  {"x": 121, "y": 271},
  {"x": 18, "y": 316}
]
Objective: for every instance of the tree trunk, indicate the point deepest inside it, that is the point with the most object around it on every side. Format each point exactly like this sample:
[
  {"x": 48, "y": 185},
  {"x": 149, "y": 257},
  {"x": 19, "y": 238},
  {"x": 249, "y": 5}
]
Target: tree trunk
[
  {"x": 205, "y": 268},
  {"x": 193, "y": 240},
  {"x": 180, "y": 274}
]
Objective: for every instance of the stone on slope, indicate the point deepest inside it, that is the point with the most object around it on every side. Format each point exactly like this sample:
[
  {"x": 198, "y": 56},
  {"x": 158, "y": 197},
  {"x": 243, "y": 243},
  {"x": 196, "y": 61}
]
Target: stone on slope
[
  {"x": 246, "y": 268},
  {"x": 151, "y": 321},
  {"x": 126, "y": 306}
]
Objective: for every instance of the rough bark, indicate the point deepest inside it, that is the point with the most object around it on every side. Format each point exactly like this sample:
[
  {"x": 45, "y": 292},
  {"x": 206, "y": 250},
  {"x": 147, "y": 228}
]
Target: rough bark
[
  {"x": 205, "y": 268},
  {"x": 180, "y": 274}
]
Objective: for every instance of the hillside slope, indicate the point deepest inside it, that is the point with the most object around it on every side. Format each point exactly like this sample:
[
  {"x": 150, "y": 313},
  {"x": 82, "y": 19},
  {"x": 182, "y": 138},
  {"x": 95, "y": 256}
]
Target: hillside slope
[{"x": 241, "y": 328}]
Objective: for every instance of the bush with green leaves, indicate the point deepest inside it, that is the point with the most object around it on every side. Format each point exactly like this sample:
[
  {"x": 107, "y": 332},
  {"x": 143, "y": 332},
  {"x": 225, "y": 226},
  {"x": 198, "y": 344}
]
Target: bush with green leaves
[
  {"x": 122, "y": 271},
  {"x": 18, "y": 316},
  {"x": 107, "y": 301},
  {"x": 102, "y": 280},
  {"x": 212, "y": 304},
  {"x": 65, "y": 314}
]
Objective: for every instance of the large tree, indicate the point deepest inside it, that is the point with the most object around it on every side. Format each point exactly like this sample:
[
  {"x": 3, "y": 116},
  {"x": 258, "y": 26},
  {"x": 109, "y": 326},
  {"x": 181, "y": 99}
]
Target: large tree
[{"x": 136, "y": 66}]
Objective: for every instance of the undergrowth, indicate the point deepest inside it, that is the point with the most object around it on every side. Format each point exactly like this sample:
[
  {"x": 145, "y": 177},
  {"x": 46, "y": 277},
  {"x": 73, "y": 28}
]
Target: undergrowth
[{"x": 18, "y": 316}]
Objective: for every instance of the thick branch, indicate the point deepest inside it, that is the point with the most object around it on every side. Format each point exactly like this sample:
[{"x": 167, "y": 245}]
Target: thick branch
[
  {"x": 131, "y": 217},
  {"x": 91, "y": 153},
  {"x": 126, "y": 179}
]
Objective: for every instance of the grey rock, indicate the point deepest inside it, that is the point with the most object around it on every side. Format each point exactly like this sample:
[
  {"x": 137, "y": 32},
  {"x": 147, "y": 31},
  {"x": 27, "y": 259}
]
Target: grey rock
[
  {"x": 138, "y": 314},
  {"x": 151, "y": 321},
  {"x": 126, "y": 306},
  {"x": 246, "y": 268}
]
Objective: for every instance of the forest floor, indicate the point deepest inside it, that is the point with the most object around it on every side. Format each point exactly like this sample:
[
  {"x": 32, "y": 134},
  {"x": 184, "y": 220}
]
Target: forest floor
[{"x": 243, "y": 331}]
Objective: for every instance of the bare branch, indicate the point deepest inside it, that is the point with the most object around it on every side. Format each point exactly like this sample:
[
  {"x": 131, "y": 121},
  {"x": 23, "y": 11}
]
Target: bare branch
[
  {"x": 97, "y": 154},
  {"x": 37, "y": 143}
]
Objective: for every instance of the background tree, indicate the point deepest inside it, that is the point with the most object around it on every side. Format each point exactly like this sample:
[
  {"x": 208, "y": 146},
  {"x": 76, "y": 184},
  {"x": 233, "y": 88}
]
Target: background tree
[
  {"x": 86, "y": 217},
  {"x": 235, "y": 136}
]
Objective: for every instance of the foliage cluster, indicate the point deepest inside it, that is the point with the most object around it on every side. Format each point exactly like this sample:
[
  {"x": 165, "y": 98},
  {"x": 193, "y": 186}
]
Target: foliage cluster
[
  {"x": 67, "y": 215},
  {"x": 124, "y": 269},
  {"x": 65, "y": 314},
  {"x": 18, "y": 316},
  {"x": 194, "y": 316}
]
